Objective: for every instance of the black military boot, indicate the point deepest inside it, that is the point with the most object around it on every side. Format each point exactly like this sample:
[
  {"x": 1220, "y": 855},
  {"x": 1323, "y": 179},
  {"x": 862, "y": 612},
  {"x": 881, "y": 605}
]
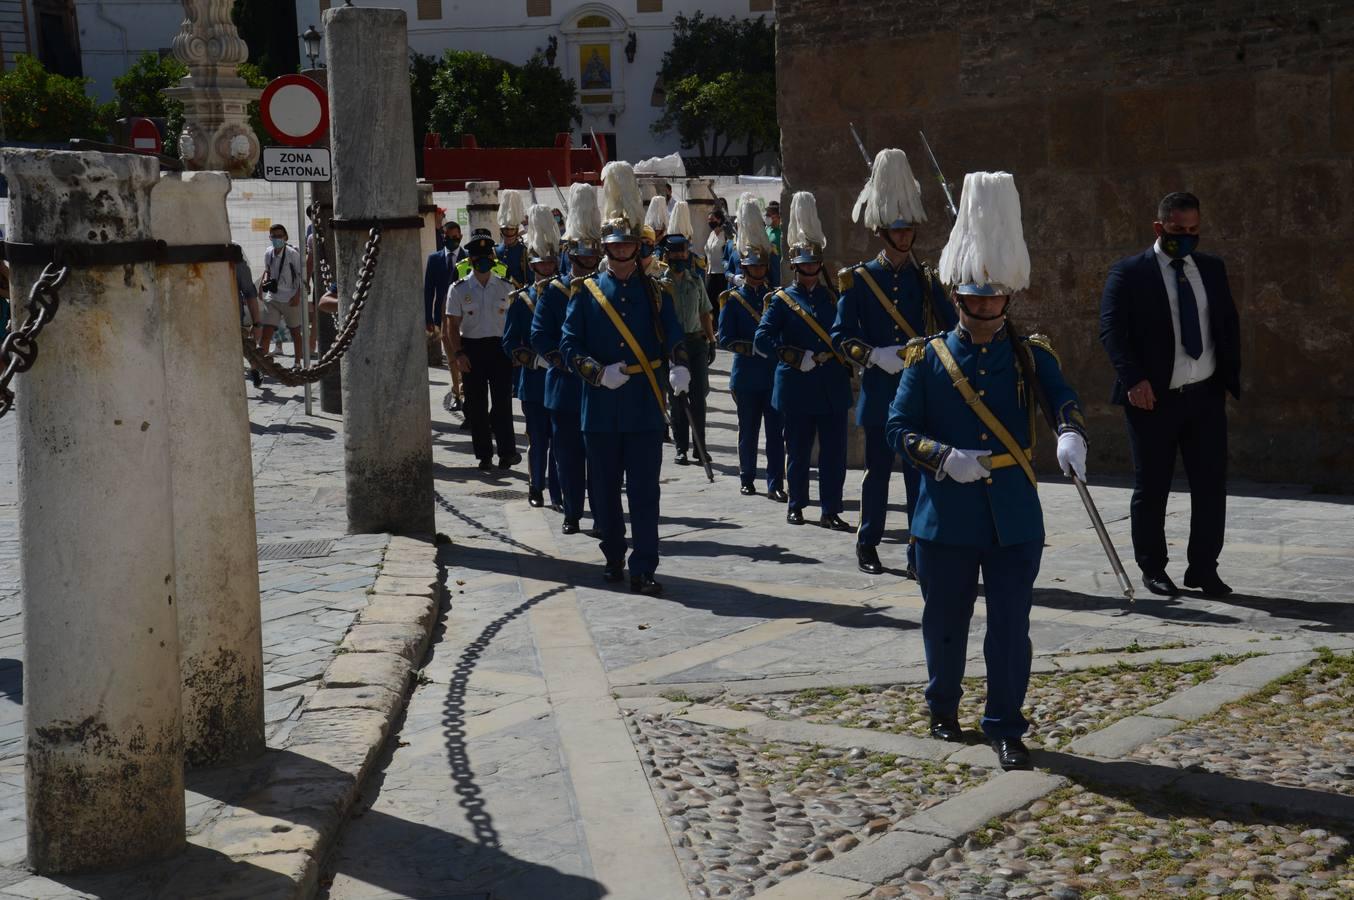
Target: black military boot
[{"x": 867, "y": 558}]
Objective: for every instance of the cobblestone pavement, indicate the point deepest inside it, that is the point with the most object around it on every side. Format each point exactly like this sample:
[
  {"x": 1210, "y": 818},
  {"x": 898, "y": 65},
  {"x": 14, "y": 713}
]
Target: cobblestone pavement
[
  {"x": 544, "y": 752},
  {"x": 308, "y": 605}
]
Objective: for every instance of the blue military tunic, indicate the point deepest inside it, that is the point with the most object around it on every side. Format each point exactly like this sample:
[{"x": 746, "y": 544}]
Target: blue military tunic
[
  {"x": 563, "y": 387},
  {"x": 528, "y": 377},
  {"x": 515, "y": 259},
  {"x": 590, "y": 343},
  {"x": 863, "y": 323},
  {"x": 782, "y": 333},
  {"x": 737, "y": 331},
  {"x": 928, "y": 417}
]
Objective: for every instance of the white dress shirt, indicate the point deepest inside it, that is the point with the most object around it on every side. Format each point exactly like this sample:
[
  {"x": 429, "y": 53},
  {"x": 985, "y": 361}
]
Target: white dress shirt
[
  {"x": 481, "y": 308},
  {"x": 1187, "y": 369}
]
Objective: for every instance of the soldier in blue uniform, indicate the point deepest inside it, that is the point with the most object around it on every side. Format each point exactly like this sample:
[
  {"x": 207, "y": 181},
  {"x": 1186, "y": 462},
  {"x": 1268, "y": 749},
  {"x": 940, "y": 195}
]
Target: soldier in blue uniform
[
  {"x": 563, "y": 387},
  {"x": 812, "y": 388},
  {"x": 965, "y": 414},
  {"x": 884, "y": 303},
  {"x": 543, "y": 243},
  {"x": 511, "y": 252},
  {"x": 620, "y": 332},
  {"x": 750, "y": 379}
]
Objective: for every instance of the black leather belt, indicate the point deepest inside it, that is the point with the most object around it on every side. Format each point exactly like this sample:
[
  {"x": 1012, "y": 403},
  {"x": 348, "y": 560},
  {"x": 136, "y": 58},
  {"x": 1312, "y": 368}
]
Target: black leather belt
[{"x": 1194, "y": 386}]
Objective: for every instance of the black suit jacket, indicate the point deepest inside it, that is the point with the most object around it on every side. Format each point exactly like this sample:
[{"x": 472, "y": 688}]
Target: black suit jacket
[{"x": 1139, "y": 336}]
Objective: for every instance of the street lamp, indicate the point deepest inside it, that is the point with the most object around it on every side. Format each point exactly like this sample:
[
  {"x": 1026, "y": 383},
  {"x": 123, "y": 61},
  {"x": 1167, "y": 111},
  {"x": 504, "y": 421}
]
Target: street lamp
[{"x": 311, "y": 38}]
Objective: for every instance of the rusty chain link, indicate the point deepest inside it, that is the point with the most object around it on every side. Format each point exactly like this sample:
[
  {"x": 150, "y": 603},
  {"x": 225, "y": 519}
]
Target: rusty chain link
[
  {"x": 296, "y": 375},
  {"x": 19, "y": 350},
  {"x": 322, "y": 258}
]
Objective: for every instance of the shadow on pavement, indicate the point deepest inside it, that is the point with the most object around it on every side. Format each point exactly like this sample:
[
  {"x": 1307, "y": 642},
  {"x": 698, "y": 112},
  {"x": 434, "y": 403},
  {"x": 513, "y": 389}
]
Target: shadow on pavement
[{"x": 1157, "y": 607}]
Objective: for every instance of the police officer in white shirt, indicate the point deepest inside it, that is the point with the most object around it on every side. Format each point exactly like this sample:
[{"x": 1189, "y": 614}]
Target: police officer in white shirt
[{"x": 472, "y": 327}]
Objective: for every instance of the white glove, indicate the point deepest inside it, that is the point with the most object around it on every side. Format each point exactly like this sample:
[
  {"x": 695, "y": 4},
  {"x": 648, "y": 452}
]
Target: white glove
[
  {"x": 887, "y": 358},
  {"x": 542, "y": 363},
  {"x": 1072, "y": 454},
  {"x": 807, "y": 362},
  {"x": 965, "y": 466},
  {"x": 680, "y": 379},
  {"x": 614, "y": 375}
]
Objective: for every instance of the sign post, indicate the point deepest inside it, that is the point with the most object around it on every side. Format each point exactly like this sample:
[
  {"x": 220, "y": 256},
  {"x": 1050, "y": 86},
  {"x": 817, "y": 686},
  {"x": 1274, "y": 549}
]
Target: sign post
[{"x": 295, "y": 110}]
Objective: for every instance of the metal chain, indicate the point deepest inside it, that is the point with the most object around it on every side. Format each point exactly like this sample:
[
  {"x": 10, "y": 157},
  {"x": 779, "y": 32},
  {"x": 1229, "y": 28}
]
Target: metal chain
[
  {"x": 19, "y": 350},
  {"x": 322, "y": 258},
  {"x": 296, "y": 375}
]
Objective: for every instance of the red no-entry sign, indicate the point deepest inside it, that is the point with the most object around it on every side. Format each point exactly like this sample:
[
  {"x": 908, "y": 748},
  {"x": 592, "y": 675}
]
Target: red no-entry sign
[
  {"x": 144, "y": 136},
  {"x": 295, "y": 110}
]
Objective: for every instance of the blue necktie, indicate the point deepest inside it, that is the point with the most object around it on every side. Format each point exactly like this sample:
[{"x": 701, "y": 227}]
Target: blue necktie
[{"x": 1190, "y": 337}]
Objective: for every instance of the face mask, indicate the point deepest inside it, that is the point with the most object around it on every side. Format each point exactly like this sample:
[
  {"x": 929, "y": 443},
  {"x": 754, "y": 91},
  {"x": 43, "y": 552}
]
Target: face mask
[
  {"x": 645, "y": 251},
  {"x": 679, "y": 265},
  {"x": 451, "y": 242},
  {"x": 482, "y": 263},
  {"x": 809, "y": 271},
  {"x": 1178, "y": 246},
  {"x": 279, "y": 243}
]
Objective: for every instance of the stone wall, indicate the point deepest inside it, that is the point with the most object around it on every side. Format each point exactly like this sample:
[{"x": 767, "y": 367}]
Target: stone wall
[{"x": 1100, "y": 108}]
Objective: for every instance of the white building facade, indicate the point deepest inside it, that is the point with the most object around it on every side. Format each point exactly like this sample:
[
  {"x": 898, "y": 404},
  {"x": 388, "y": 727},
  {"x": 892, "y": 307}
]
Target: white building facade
[{"x": 612, "y": 50}]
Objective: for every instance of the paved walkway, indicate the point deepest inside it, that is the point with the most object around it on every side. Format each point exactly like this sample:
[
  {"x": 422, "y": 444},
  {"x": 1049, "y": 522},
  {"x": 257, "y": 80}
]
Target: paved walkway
[{"x": 531, "y": 762}]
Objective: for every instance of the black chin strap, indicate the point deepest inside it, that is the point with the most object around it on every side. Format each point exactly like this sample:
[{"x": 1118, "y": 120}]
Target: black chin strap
[
  {"x": 884, "y": 233},
  {"x": 1001, "y": 315}
]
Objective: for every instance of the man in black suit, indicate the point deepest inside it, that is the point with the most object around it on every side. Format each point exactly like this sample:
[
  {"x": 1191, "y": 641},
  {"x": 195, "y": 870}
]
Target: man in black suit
[
  {"x": 1170, "y": 327},
  {"x": 438, "y": 275}
]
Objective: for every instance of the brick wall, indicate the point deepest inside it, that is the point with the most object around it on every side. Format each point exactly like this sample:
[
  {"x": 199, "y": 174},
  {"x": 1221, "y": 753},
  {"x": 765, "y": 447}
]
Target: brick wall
[{"x": 1100, "y": 108}]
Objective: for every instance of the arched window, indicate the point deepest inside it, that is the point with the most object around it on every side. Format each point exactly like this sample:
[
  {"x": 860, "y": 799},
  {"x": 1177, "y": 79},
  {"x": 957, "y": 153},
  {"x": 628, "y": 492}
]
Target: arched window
[{"x": 594, "y": 21}]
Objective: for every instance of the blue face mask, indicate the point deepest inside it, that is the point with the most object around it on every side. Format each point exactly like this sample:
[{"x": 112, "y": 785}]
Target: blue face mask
[
  {"x": 679, "y": 265},
  {"x": 1178, "y": 246},
  {"x": 645, "y": 251},
  {"x": 279, "y": 243},
  {"x": 482, "y": 263}
]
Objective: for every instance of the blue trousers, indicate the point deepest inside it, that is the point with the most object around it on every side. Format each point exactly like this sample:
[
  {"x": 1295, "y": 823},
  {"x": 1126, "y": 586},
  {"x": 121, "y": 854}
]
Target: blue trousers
[
  {"x": 874, "y": 490},
  {"x": 540, "y": 455},
  {"x": 636, "y": 457},
  {"x": 570, "y": 461},
  {"x": 800, "y": 430},
  {"x": 754, "y": 410},
  {"x": 949, "y": 585}
]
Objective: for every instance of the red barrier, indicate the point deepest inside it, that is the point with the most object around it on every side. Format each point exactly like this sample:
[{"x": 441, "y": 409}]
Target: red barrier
[{"x": 449, "y": 168}]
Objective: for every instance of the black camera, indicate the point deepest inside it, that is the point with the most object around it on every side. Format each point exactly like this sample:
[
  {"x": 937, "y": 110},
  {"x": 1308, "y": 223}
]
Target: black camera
[{"x": 269, "y": 285}]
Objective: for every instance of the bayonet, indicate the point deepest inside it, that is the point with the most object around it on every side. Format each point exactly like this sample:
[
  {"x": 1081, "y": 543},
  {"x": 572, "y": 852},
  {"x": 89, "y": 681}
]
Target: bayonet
[
  {"x": 563, "y": 205},
  {"x": 532, "y": 187},
  {"x": 944, "y": 185},
  {"x": 869, "y": 163}
]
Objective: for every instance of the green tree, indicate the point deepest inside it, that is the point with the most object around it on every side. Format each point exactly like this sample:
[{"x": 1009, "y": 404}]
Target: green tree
[
  {"x": 41, "y": 106},
  {"x": 138, "y": 89},
  {"x": 501, "y": 104},
  {"x": 720, "y": 85},
  {"x": 269, "y": 29},
  {"x": 422, "y": 71}
]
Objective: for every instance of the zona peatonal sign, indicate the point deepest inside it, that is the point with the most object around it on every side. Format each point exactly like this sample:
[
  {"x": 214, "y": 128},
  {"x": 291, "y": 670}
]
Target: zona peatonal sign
[{"x": 296, "y": 164}]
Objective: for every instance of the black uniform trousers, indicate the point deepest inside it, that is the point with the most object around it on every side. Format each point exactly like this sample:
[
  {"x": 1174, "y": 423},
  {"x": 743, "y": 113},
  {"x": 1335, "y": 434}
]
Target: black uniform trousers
[
  {"x": 488, "y": 398},
  {"x": 1192, "y": 422},
  {"x": 697, "y": 350}
]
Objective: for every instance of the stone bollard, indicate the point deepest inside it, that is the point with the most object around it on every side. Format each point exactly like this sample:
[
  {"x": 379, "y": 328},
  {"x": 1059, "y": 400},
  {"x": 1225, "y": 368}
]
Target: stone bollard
[
  {"x": 104, "y": 766},
  {"x": 216, "y": 571},
  {"x": 387, "y": 430},
  {"x": 482, "y": 205}
]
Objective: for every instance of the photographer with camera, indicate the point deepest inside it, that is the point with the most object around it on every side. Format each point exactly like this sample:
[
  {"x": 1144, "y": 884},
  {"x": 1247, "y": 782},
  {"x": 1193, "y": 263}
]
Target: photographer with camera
[{"x": 280, "y": 290}]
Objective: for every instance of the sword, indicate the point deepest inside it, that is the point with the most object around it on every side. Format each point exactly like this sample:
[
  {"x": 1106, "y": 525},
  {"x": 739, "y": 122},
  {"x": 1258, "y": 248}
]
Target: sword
[
  {"x": 533, "y": 191},
  {"x": 944, "y": 185},
  {"x": 563, "y": 204},
  {"x": 869, "y": 164},
  {"x": 1124, "y": 583},
  {"x": 695, "y": 436},
  {"x": 601, "y": 160}
]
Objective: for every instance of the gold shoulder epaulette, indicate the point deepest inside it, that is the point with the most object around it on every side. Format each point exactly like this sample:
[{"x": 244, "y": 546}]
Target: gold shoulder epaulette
[
  {"x": 1043, "y": 343},
  {"x": 914, "y": 351},
  {"x": 724, "y": 297},
  {"x": 845, "y": 278}
]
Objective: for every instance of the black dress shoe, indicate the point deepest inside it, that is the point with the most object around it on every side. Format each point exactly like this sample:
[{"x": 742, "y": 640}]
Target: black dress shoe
[
  {"x": 748, "y": 490},
  {"x": 910, "y": 573},
  {"x": 594, "y": 532},
  {"x": 255, "y": 377},
  {"x": 867, "y": 558},
  {"x": 777, "y": 495},
  {"x": 486, "y": 465},
  {"x": 645, "y": 584},
  {"x": 681, "y": 459},
  {"x": 946, "y": 728},
  {"x": 507, "y": 462},
  {"x": 614, "y": 573},
  {"x": 535, "y": 498},
  {"x": 1211, "y": 585},
  {"x": 570, "y": 526},
  {"x": 835, "y": 523},
  {"x": 1011, "y": 753},
  {"x": 794, "y": 516},
  {"x": 556, "y": 506},
  {"x": 1160, "y": 584}
]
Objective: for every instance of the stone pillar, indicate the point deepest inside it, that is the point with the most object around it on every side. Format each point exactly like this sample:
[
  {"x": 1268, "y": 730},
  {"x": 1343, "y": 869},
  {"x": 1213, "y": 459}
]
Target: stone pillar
[
  {"x": 322, "y": 197},
  {"x": 387, "y": 426},
  {"x": 216, "y": 132},
  {"x": 104, "y": 766},
  {"x": 216, "y": 573},
  {"x": 482, "y": 205}
]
